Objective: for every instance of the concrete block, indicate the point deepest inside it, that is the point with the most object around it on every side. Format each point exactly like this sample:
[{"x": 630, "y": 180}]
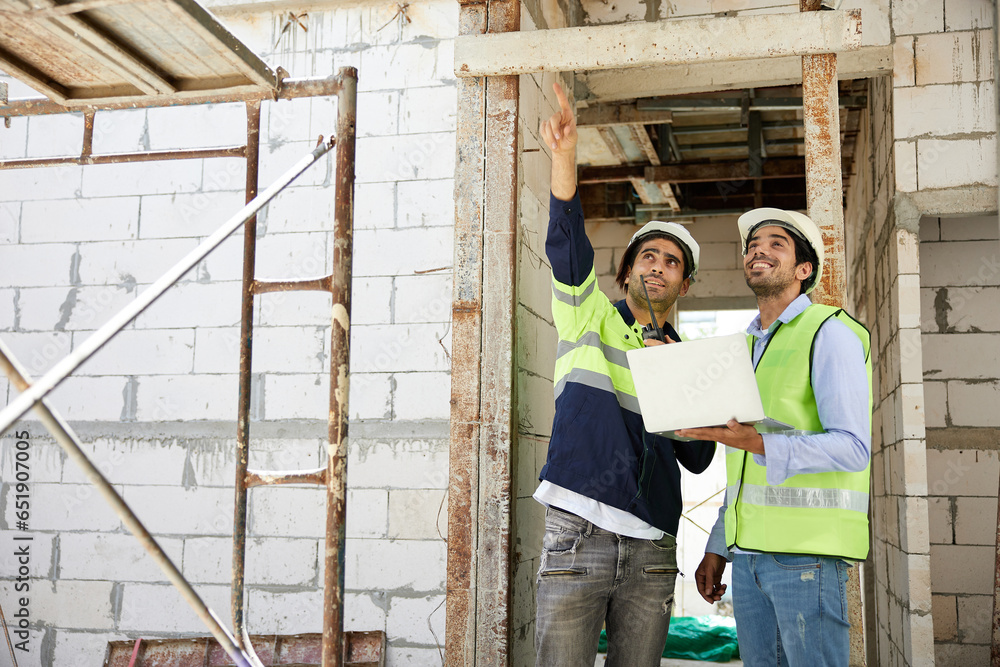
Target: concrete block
[
  {"x": 935, "y": 404},
  {"x": 367, "y": 512},
  {"x": 299, "y": 309},
  {"x": 418, "y": 514},
  {"x": 42, "y": 565},
  {"x": 278, "y": 158},
  {"x": 74, "y": 604},
  {"x": 935, "y": 110},
  {"x": 426, "y": 203},
  {"x": 290, "y": 350},
  {"x": 289, "y": 120},
  {"x": 970, "y": 309},
  {"x": 175, "y": 510},
  {"x": 945, "y": 612},
  {"x": 186, "y": 397},
  {"x": 48, "y": 265},
  {"x": 288, "y": 453},
  {"x": 72, "y": 308},
  {"x": 15, "y": 141},
  {"x": 134, "y": 461},
  {"x": 905, "y": 154},
  {"x": 281, "y": 612},
  {"x": 288, "y": 512},
  {"x": 918, "y": 574},
  {"x": 375, "y": 564},
  {"x": 208, "y": 560},
  {"x": 365, "y": 611},
  {"x": 961, "y": 654},
  {"x": 304, "y": 396},
  {"x": 417, "y": 620},
  {"x": 910, "y": 418},
  {"x": 197, "y": 126},
  {"x": 194, "y": 304},
  {"x": 398, "y": 66},
  {"x": 430, "y": 20},
  {"x": 400, "y": 347},
  {"x": 78, "y": 649},
  {"x": 917, "y": 16},
  {"x": 425, "y": 298},
  {"x": 908, "y": 290},
  {"x": 399, "y": 464},
  {"x": 301, "y": 210},
  {"x": 406, "y": 157},
  {"x": 956, "y": 162},
  {"x": 217, "y": 350},
  {"x": 914, "y": 454},
  {"x": 179, "y": 215},
  {"x": 913, "y": 528},
  {"x": 961, "y": 568},
  {"x": 10, "y": 220},
  {"x": 428, "y": 109},
  {"x": 371, "y": 395},
  {"x": 42, "y": 184},
  {"x": 412, "y": 656},
  {"x": 959, "y": 264},
  {"x": 374, "y": 205},
  {"x": 974, "y": 521},
  {"x": 968, "y": 14},
  {"x": 227, "y": 175},
  {"x": 160, "y": 609},
  {"x": 288, "y": 256},
  {"x": 963, "y": 472},
  {"x": 941, "y": 519},
  {"x": 903, "y": 62},
  {"x": 90, "y": 398},
  {"x": 277, "y": 561},
  {"x": 960, "y": 356},
  {"x": 980, "y": 227},
  {"x": 975, "y": 619},
  {"x": 974, "y": 403},
  {"x": 112, "y": 557},
  {"x": 126, "y": 263},
  {"x": 212, "y": 461},
  {"x": 9, "y": 313},
  {"x": 371, "y": 301},
  {"x": 55, "y": 135},
  {"x": 120, "y": 131},
  {"x": 111, "y": 180},
  {"x": 930, "y": 229},
  {"x": 46, "y": 456},
  {"x": 65, "y": 507},
  {"x": 378, "y": 114},
  {"x": 422, "y": 396},
  {"x": 951, "y": 57},
  {"x": 68, "y": 220},
  {"x": 536, "y": 409},
  {"x": 718, "y": 256},
  {"x": 152, "y": 352}
]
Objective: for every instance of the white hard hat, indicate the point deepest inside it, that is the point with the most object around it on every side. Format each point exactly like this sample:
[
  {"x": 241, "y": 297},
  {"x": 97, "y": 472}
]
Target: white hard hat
[
  {"x": 795, "y": 222},
  {"x": 681, "y": 236}
]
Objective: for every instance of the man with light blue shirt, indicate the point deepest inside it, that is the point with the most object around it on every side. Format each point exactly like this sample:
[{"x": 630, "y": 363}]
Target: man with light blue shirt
[
  {"x": 611, "y": 489},
  {"x": 796, "y": 510}
]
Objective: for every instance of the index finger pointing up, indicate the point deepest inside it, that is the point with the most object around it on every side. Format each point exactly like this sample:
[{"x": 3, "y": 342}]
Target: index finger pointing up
[{"x": 561, "y": 96}]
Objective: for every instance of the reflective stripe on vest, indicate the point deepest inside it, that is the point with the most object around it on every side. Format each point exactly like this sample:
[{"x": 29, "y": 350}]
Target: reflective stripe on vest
[{"x": 820, "y": 513}]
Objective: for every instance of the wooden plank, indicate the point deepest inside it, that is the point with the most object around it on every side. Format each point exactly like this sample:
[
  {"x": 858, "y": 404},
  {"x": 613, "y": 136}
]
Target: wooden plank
[
  {"x": 614, "y": 146},
  {"x": 641, "y": 43},
  {"x": 737, "y": 170},
  {"x": 620, "y": 114},
  {"x": 641, "y": 137}
]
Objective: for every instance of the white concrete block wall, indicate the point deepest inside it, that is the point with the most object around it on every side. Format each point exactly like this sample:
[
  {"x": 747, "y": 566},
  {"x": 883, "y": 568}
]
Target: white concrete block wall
[{"x": 157, "y": 405}]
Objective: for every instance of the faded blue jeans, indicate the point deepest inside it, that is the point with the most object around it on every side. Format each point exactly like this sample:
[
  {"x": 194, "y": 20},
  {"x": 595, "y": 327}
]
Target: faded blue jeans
[
  {"x": 591, "y": 577},
  {"x": 791, "y": 610}
]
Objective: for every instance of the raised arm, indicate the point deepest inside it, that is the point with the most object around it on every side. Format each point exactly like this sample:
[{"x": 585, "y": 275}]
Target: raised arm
[{"x": 559, "y": 133}]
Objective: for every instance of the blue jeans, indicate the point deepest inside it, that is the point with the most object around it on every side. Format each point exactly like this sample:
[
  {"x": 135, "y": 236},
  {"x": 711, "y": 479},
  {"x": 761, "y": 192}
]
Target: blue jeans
[
  {"x": 791, "y": 610},
  {"x": 590, "y": 577}
]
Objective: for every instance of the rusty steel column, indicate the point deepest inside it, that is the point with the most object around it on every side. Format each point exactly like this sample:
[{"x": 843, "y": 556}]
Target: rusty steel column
[
  {"x": 340, "y": 354},
  {"x": 479, "y": 490},
  {"x": 243, "y": 410},
  {"x": 825, "y": 200}
]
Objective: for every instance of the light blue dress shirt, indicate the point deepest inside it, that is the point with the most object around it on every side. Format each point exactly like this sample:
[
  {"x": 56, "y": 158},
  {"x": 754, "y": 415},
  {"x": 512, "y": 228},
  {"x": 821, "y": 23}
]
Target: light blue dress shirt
[{"x": 840, "y": 383}]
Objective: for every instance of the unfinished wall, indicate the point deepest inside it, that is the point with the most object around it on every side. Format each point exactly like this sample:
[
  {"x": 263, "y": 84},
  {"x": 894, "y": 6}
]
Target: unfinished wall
[
  {"x": 960, "y": 282},
  {"x": 157, "y": 406}
]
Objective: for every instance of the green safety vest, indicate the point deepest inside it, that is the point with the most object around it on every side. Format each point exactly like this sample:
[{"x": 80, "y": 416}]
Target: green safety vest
[{"x": 824, "y": 514}]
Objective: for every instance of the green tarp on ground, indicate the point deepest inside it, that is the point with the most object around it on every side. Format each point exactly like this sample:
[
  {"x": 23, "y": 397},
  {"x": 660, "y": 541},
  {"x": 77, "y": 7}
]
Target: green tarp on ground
[{"x": 705, "y": 638}]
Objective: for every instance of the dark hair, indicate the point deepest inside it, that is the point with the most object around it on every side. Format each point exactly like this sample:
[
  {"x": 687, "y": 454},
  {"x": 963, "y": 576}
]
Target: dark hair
[
  {"x": 804, "y": 253},
  {"x": 628, "y": 259}
]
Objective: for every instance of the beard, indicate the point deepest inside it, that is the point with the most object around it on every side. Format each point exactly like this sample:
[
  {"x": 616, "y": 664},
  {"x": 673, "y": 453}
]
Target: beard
[
  {"x": 661, "y": 299},
  {"x": 772, "y": 283}
]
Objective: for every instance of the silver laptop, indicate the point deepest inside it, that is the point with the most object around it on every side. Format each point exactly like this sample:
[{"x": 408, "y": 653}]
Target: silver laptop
[{"x": 698, "y": 383}]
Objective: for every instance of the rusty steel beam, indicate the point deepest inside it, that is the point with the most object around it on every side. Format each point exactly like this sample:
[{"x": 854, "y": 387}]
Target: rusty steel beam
[
  {"x": 237, "y": 592},
  {"x": 466, "y": 353},
  {"x": 323, "y": 284},
  {"x": 70, "y": 444},
  {"x": 737, "y": 170},
  {"x": 340, "y": 357},
  {"x": 288, "y": 89},
  {"x": 86, "y": 159},
  {"x": 276, "y": 477}
]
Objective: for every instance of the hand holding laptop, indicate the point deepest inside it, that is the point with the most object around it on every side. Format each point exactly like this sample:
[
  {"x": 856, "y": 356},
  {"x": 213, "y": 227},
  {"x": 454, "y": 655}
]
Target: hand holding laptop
[{"x": 733, "y": 434}]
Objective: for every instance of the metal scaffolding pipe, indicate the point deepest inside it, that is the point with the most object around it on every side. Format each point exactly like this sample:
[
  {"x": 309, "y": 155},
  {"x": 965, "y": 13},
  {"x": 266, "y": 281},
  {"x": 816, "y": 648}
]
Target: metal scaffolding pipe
[
  {"x": 87, "y": 159},
  {"x": 38, "y": 390},
  {"x": 70, "y": 443}
]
